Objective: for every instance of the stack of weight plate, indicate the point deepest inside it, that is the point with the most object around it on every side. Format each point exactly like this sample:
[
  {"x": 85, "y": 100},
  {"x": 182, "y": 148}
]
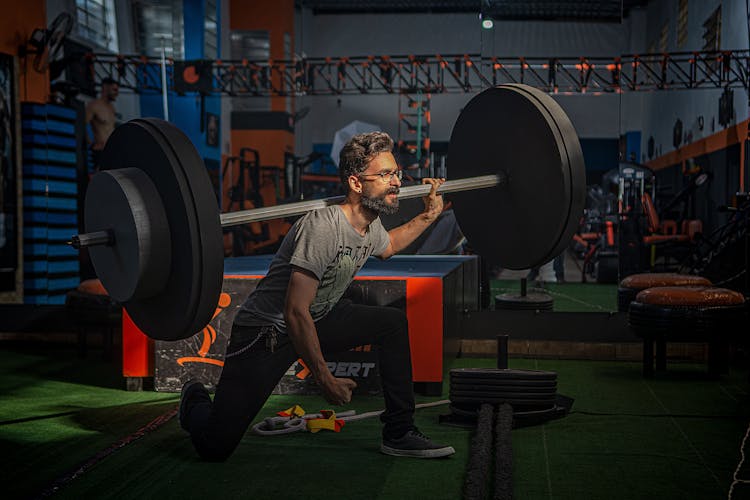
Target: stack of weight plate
[{"x": 531, "y": 393}]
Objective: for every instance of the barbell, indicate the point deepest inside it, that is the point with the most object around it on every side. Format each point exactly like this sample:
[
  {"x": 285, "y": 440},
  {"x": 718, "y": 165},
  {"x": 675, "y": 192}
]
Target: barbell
[{"x": 154, "y": 231}]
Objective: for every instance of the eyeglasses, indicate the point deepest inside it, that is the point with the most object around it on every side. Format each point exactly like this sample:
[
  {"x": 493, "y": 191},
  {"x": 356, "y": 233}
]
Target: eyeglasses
[{"x": 387, "y": 177}]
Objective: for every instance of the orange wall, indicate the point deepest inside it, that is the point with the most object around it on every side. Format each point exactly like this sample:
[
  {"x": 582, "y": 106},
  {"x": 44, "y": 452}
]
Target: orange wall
[
  {"x": 18, "y": 20},
  {"x": 274, "y": 16}
]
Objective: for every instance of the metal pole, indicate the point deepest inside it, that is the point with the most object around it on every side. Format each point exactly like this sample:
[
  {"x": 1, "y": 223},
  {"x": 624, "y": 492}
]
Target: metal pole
[
  {"x": 165, "y": 100},
  {"x": 502, "y": 352},
  {"x": 298, "y": 208}
]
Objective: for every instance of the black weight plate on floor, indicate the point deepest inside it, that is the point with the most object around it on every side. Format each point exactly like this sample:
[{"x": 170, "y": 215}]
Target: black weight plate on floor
[
  {"x": 521, "y": 133},
  {"x": 489, "y": 395},
  {"x": 529, "y": 302},
  {"x": 520, "y": 403},
  {"x": 459, "y": 386},
  {"x": 192, "y": 291},
  {"x": 467, "y": 417},
  {"x": 502, "y": 374},
  {"x": 534, "y": 417},
  {"x": 490, "y": 382}
]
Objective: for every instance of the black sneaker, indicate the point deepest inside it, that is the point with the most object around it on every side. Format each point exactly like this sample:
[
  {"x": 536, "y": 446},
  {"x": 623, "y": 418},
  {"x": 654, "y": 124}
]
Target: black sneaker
[
  {"x": 415, "y": 444},
  {"x": 192, "y": 392}
]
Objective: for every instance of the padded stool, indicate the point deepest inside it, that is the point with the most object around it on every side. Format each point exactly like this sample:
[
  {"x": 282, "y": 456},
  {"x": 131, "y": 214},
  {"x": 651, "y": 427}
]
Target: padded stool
[
  {"x": 91, "y": 308},
  {"x": 686, "y": 314},
  {"x": 630, "y": 286}
]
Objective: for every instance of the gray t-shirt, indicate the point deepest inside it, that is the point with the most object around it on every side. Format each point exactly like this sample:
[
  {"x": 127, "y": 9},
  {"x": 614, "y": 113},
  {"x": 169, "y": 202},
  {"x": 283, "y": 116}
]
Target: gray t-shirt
[{"x": 324, "y": 243}]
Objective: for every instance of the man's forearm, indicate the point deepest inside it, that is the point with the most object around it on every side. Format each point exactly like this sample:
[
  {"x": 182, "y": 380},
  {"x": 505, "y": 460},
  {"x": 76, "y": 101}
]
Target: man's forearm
[
  {"x": 304, "y": 337},
  {"x": 402, "y": 236}
]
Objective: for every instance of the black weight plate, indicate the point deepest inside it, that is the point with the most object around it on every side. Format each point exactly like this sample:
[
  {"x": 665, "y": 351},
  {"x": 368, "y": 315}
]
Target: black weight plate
[
  {"x": 506, "y": 388},
  {"x": 126, "y": 203},
  {"x": 502, "y": 374},
  {"x": 490, "y": 382},
  {"x": 467, "y": 417},
  {"x": 521, "y": 403},
  {"x": 518, "y": 131},
  {"x": 576, "y": 163},
  {"x": 529, "y": 302},
  {"x": 494, "y": 396},
  {"x": 192, "y": 291}
]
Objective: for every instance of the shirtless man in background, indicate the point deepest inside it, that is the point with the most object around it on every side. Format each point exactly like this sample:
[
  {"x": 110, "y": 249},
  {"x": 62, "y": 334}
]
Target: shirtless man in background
[{"x": 100, "y": 113}]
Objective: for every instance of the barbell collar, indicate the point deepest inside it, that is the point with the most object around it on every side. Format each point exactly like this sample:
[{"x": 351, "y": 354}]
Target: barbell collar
[
  {"x": 96, "y": 238},
  {"x": 406, "y": 192}
]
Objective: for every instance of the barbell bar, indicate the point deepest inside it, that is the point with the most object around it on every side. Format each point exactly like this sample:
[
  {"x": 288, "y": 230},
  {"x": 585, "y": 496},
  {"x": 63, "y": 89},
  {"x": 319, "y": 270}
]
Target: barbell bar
[
  {"x": 154, "y": 232},
  {"x": 301, "y": 207},
  {"x": 239, "y": 217}
]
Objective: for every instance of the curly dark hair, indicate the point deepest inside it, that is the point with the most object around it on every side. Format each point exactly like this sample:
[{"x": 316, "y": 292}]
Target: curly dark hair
[{"x": 359, "y": 151}]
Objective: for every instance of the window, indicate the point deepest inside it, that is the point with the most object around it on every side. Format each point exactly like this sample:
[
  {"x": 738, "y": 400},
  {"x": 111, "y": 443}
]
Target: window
[
  {"x": 95, "y": 22},
  {"x": 664, "y": 38},
  {"x": 288, "y": 57},
  {"x": 712, "y": 37},
  {"x": 712, "y": 31},
  {"x": 682, "y": 23},
  {"x": 210, "y": 44},
  {"x": 157, "y": 23},
  {"x": 253, "y": 45}
]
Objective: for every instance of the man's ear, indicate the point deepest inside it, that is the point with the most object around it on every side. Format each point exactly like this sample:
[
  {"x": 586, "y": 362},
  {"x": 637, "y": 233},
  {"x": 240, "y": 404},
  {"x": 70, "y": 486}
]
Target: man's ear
[{"x": 355, "y": 184}]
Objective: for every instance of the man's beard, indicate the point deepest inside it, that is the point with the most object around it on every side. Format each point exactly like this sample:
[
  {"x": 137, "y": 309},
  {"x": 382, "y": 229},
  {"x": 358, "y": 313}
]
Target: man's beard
[{"x": 378, "y": 204}]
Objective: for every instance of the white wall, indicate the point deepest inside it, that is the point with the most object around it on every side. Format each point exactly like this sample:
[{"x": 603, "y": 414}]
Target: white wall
[{"x": 662, "y": 109}]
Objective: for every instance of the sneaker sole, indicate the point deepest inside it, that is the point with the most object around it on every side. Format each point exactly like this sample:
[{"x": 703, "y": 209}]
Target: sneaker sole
[
  {"x": 186, "y": 389},
  {"x": 436, "y": 453}
]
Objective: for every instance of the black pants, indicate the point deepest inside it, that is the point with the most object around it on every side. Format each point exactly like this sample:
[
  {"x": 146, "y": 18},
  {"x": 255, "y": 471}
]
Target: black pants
[{"x": 249, "y": 378}]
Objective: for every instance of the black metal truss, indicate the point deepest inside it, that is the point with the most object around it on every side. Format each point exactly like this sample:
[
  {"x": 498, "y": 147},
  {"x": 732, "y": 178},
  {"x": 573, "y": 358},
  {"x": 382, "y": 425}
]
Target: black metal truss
[{"x": 442, "y": 74}]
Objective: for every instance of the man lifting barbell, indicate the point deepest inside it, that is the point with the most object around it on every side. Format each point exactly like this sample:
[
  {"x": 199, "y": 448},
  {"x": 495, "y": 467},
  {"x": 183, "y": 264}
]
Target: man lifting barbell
[
  {"x": 154, "y": 234},
  {"x": 296, "y": 311}
]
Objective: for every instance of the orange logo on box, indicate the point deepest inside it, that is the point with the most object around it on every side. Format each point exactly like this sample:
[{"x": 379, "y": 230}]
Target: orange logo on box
[{"x": 209, "y": 337}]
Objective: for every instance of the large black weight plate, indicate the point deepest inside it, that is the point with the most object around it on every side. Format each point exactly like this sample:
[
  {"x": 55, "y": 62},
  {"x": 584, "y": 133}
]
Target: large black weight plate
[
  {"x": 501, "y": 374},
  {"x": 191, "y": 293},
  {"x": 523, "y": 134}
]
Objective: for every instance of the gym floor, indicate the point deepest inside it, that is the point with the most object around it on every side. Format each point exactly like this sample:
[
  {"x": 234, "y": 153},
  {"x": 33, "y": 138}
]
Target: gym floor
[
  {"x": 571, "y": 296},
  {"x": 68, "y": 427}
]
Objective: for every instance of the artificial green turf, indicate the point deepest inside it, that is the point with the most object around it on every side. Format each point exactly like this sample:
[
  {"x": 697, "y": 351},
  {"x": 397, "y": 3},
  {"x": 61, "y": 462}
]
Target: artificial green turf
[
  {"x": 567, "y": 297},
  {"x": 677, "y": 436}
]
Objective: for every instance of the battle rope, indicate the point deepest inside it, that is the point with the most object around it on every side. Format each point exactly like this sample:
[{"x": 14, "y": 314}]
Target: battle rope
[{"x": 478, "y": 470}]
